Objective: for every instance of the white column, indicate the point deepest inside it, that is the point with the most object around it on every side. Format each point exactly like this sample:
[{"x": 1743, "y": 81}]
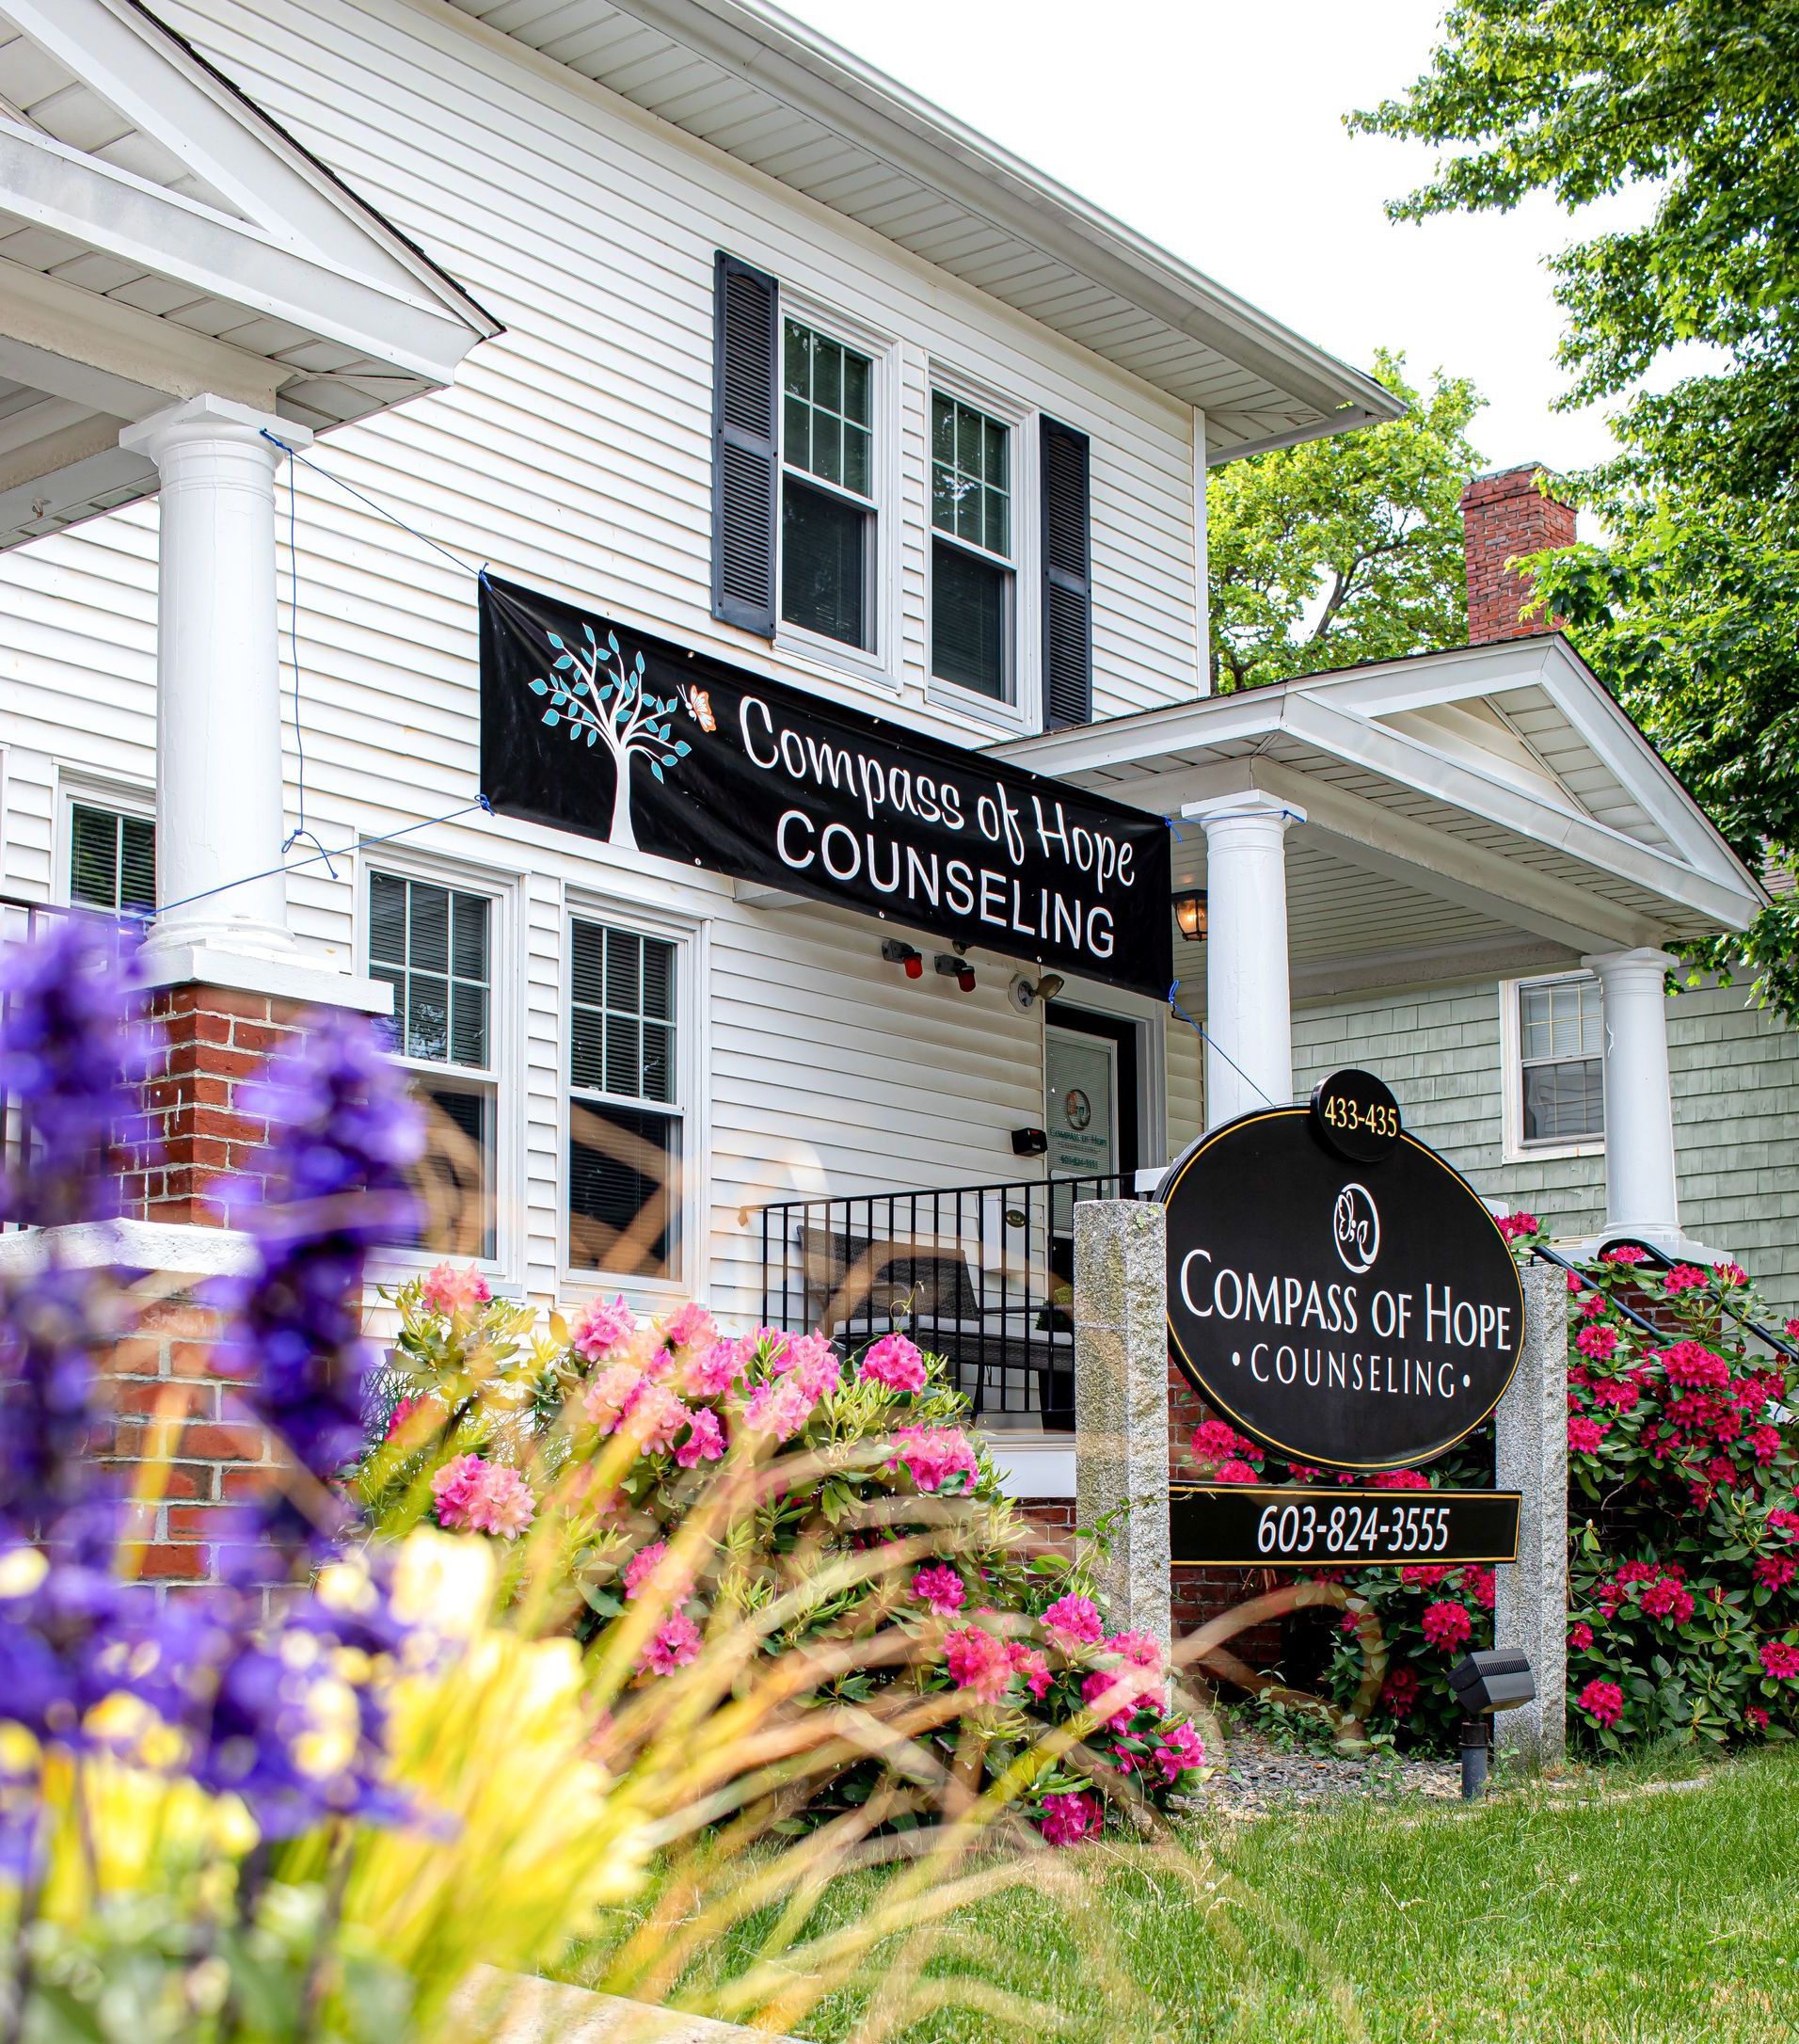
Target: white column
[
  {"x": 1249, "y": 1013},
  {"x": 220, "y": 812},
  {"x": 1640, "y": 1192}
]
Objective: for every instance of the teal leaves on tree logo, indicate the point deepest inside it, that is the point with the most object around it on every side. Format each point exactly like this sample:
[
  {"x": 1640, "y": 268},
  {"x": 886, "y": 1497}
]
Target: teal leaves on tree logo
[{"x": 599, "y": 697}]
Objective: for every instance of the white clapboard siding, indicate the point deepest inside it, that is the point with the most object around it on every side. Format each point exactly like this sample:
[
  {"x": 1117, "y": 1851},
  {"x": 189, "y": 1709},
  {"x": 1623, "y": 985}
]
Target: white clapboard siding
[{"x": 574, "y": 452}]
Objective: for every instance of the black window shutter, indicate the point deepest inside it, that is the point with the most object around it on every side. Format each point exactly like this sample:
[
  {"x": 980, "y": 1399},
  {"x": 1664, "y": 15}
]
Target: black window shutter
[
  {"x": 1068, "y": 602},
  {"x": 746, "y": 469}
]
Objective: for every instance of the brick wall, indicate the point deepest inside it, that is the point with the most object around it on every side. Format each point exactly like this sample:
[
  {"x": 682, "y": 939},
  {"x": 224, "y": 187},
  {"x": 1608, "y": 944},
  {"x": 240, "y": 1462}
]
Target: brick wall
[
  {"x": 1505, "y": 516},
  {"x": 205, "y": 1147},
  {"x": 171, "y": 1371}
]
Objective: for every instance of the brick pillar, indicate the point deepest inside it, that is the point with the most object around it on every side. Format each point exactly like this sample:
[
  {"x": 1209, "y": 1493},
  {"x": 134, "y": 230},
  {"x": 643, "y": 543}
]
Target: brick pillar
[
  {"x": 1505, "y": 516},
  {"x": 204, "y": 1145}
]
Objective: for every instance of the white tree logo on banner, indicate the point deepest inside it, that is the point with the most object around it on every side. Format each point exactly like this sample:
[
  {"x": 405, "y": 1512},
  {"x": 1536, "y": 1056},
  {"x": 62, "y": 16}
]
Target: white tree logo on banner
[{"x": 599, "y": 697}]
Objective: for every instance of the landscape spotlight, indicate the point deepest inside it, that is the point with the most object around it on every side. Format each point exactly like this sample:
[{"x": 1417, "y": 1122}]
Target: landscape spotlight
[
  {"x": 1492, "y": 1679},
  {"x": 1190, "y": 913}
]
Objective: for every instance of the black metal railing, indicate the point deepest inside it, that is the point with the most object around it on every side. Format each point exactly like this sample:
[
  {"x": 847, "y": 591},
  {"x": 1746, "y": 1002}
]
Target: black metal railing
[
  {"x": 1660, "y": 1259},
  {"x": 982, "y": 1276}
]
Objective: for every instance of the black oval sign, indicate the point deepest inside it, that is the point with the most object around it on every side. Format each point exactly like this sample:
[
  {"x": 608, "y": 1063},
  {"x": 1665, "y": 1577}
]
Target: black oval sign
[
  {"x": 1353, "y": 1318},
  {"x": 1356, "y": 1115}
]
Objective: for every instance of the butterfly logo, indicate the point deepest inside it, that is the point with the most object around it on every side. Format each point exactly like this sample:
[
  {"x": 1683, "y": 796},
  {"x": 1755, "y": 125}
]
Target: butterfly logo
[{"x": 699, "y": 706}]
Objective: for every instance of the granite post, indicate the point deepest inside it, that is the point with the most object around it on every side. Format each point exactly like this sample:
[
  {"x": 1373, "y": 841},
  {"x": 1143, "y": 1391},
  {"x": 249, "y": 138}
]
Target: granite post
[
  {"x": 1530, "y": 1610},
  {"x": 1121, "y": 1401}
]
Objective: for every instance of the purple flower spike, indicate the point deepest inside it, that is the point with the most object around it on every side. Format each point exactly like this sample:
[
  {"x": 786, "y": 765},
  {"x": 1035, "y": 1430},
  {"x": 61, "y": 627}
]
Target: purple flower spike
[
  {"x": 71, "y": 1058},
  {"x": 343, "y": 1132}
]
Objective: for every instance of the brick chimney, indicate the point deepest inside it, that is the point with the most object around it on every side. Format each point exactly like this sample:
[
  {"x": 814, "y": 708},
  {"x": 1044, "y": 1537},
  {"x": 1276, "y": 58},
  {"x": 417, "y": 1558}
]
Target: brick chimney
[{"x": 1504, "y": 515}]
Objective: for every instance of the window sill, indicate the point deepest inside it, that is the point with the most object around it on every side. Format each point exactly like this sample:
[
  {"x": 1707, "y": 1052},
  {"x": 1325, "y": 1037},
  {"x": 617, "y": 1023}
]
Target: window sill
[
  {"x": 1032, "y": 1464},
  {"x": 1550, "y": 1152},
  {"x": 392, "y": 1268},
  {"x": 829, "y": 659},
  {"x": 1007, "y": 719}
]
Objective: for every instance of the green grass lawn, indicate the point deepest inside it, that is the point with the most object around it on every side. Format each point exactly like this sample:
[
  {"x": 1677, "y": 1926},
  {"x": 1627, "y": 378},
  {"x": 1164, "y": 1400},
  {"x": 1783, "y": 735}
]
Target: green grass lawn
[{"x": 1637, "y": 1904}]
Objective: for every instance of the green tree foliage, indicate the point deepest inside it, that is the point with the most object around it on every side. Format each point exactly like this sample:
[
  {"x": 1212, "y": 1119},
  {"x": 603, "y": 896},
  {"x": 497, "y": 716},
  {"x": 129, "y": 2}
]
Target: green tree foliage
[
  {"x": 1691, "y": 611},
  {"x": 1344, "y": 550}
]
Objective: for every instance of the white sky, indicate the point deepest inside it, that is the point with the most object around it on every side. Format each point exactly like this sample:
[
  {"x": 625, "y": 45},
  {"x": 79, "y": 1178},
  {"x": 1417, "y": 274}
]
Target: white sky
[{"x": 1215, "y": 127}]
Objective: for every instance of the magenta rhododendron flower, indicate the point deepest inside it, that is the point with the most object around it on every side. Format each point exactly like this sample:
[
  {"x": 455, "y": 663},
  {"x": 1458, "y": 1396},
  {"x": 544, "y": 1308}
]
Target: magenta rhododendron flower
[
  {"x": 1730, "y": 1273},
  {"x": 645, "y": 1563},
  {"x": 1757, "y": 1716},
  {"x": 453, "y": 1486},
  {"x": 812, "y": 1363},
  {"x": 977, "y": 1662},
  {"x": 448, "y": 1290},
  {"x": 1623, "y": 1394},
  {"x": 1117, "y": 1694},
  {"x": 712, "y": 1371},
  {"x": 1594, "y": 1305},
  {"x": 1213, "y": 1439},
  {"x": 933, "y": 1456},
  {"x": 655, "y": 1416},
  {"x": 1785, "y": 1522},
  {"x": 1683, "y": 1278},
  {"x": 608, "y": 1397},
  {"x": 1764, "y": 1443},
  {"x": 1667, "y": 1597},
  {"x": 895, "y": 1361},
  {"x": 1032, "y": 1666},
  {"x": 1424, "y": 1574},
  {"x": 1576, "y": 1281},
  {"x": 1780, "y": 1659},
  {"x": 1626, "y": 1253},
  {"x": 1512, "y": 1225},
  {"x": 1585, "y": 1435},
  {"x": 1068, "y": 1819},
  {"x": 1401, "y": 1479},
  {"x": 1690, "y": 1364},
  {"x": 690, "y": 1327},
  {"x": 1481, "y": 1584},
  {"x": 474, "y": 1495},
  {"x": 601, "y": 1327},
  {"x": 704, "y": 1441},
  {"x": 1074, "y": 1621},
  {"x": 1579, "y": 1636},
  {"x": 1138, "y": 1649},
  {"x": 1234, "y": 1470},
  {"x": 781, "y": 1407},
  {"x": 1399, "y": 1692},
  {"x": 673, "y": 1643},
  {"x": 402, "y": 1414},
  {"x": 939, "y": 1588},
  {"x": 1603, "y": 1702},
  {"x": 1776, "y": 1571},
  {"x": 1178, "y": 1750},
  {"x": 1596, "y": 1343},
  {"x": 1447, "y": 1625}
]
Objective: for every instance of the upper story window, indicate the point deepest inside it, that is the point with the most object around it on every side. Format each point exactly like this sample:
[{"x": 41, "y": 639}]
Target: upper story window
[
  {"x": 112, "y": 859},
  {"x": 827, "y": 486},
  {"x": 626, "y": 1118},
  {"x": 434, "y": 946},
  {"x": 972, "y": 575},
  {"x": 1561, "y": 1047}
]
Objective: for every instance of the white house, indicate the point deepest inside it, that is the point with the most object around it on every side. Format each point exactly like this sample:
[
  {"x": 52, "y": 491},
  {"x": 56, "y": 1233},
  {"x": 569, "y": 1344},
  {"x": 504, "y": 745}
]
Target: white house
[{"x": 673, "y": 312}]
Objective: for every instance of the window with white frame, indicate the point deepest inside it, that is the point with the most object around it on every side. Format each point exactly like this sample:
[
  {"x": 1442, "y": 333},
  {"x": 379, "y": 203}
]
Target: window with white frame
[
  {"x": 1561, "y": 1053},
  {"x": 828, "y": 514},
  {"x": 973, "y": 571},
  {"x": 626, "y": 1116},
  {"x": 112, "y": 859},
  {"x": 434, "y": 945}
]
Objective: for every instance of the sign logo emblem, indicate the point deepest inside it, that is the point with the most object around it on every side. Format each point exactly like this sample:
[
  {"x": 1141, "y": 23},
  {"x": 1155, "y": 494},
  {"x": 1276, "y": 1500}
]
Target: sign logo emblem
[{"x": 1355, "y": 1224}]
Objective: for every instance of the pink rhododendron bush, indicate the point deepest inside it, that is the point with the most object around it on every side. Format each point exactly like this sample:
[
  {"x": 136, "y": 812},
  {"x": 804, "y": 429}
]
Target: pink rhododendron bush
[
  {"x": 1683, "y": 1549},
  {"x": 670, "y": 1484}
]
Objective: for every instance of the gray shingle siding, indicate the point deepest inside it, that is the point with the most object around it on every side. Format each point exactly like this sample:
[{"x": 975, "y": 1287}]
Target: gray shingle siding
[{"x": 1736, "y": 1111}]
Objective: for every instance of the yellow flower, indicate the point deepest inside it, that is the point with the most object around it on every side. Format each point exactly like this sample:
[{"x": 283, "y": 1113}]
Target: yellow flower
[{"x": 22, "y": 1569}]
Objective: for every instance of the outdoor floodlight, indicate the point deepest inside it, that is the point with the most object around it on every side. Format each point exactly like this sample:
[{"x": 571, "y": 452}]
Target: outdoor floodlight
[{"x": 1493, "y": 1679}]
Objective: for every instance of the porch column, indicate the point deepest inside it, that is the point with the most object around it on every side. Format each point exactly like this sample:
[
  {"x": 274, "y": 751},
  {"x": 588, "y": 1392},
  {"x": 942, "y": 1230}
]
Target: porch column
[
  {"x": 1640, "y": 1189},
  {"x": 1249, "y": 1013},
  {"x": 220, "y": 812}
]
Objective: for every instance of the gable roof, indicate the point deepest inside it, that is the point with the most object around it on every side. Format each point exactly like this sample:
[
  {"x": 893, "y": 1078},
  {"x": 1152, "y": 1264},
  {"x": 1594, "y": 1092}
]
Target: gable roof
[
  {"x": 1501, "y": 776},
  {"x": 762, "y": 86},
  {"x": 160, "y": 237}
]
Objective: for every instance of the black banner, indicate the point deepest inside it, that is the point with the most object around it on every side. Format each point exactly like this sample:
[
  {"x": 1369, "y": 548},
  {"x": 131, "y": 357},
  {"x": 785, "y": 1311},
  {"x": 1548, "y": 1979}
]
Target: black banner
[
  {"x": 591, "y": 727},
  {"x": 1269, "y": 1526},
  {"x": 1352, "y": 1315}
]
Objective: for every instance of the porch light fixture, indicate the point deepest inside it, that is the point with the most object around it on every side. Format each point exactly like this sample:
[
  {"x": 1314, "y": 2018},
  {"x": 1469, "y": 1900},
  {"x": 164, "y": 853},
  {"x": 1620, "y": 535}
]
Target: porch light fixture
[
  {"x": 1189, "y": 912},
  {"x": 958, "y": 970},
  {"x": 897, "y": 953}
]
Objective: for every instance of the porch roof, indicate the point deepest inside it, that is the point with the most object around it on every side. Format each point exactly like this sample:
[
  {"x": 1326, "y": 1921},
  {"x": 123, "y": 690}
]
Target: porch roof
[
  {"x": 160, "y": 237},
  {"x": 1469, "y": 813}
]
